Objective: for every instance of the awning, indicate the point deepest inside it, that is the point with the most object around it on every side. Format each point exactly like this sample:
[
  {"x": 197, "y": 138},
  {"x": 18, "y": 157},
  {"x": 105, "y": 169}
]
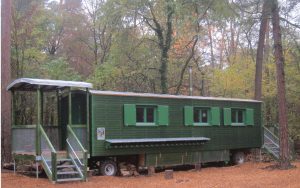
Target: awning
[
  {"x": 155, "y": 142},
  {"x": 31, "y": 84}
]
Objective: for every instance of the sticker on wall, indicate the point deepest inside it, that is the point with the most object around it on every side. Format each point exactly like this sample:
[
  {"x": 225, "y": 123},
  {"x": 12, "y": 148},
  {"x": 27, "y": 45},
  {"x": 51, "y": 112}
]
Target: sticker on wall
[{"x": 101, "y": 133}]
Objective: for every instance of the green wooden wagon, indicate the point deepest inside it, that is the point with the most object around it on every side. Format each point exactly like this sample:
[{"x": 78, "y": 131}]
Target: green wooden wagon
[{"x": 100, "y": 129}]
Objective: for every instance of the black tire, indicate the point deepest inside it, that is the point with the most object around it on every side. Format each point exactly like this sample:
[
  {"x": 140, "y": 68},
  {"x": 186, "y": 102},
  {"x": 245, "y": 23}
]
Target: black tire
[
  {"x": 108, "y": 168},
  {"x": 238, "y": 158}
]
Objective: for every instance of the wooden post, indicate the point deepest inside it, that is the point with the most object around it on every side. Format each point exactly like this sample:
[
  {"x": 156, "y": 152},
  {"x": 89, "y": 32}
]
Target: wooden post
[
  {"x": 168, "y": 174},
  {"x": 85, "y": 166},
  {"x": 13, "y": 122},
  {"x": 70, "y": 108},
  {"x": 53, "y": 166},
  {"x": 87, "y": 120},
  {"x": 58, "y": 118},
  {"x": 38, "y": 135},
  {"x": 42, "y": 108}
]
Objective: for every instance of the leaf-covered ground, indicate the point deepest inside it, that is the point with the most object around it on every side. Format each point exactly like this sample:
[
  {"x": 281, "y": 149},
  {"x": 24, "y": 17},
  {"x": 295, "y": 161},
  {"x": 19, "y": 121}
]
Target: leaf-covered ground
[{"x": 247, "y": 175}]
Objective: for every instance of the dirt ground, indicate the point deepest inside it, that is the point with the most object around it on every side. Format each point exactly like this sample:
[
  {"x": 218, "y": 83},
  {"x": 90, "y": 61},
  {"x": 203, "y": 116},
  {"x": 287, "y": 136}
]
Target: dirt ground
[{"x": 246, "y": 175}]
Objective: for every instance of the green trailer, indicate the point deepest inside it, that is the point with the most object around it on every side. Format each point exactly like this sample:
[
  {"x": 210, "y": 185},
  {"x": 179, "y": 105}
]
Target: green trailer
[{"x": 100, "y": 129}]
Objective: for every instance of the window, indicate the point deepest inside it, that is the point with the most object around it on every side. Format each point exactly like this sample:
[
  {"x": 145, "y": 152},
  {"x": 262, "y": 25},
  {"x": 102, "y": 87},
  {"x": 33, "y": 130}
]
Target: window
[
  {"x": 201, "y": 115},
  {"x": 238, "y": 116},
  {"x": 146, "y": 115}
]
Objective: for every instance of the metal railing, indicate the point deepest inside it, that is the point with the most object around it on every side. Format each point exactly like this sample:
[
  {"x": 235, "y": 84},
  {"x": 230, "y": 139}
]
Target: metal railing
[
  {"x": 81, "y": 133},
  {"x": 77, "y": 153},
  {"x": 48, "y": 155}
]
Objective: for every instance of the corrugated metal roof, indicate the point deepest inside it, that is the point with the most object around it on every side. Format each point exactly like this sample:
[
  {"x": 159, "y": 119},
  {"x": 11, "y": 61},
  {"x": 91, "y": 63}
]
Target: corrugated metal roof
[
  {"x": 115, "y": 93},
  {"x": 45, "y": 84},
  {"x": 155, "y": 140}
]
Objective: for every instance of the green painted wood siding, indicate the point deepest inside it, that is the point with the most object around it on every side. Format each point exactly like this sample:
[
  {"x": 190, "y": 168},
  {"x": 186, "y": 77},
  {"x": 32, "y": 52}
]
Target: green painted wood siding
[{"x": 108, "y": 112}]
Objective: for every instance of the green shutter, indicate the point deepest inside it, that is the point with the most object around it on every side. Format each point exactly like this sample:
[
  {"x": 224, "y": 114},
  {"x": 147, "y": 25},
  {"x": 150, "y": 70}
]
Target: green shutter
[
  {"x": 249, "y": 117},
  {"x": 227, "y": 116},
  {"x": 215, "y": 116},
  {"x": 188, "y": 115},
  {"x": 129, "y": 114},
  {"x": 163, "y": 115}
]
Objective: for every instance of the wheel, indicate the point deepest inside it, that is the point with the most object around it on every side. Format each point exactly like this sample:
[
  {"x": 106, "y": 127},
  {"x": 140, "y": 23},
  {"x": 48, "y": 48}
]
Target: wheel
[
  {"x": 238, "y": 158},
  {"x": 108, "y": 168}
]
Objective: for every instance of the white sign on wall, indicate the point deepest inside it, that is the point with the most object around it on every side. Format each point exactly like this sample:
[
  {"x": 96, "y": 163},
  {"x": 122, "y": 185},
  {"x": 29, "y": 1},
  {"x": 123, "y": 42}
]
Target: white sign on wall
[{"x": 100, "y": 133}]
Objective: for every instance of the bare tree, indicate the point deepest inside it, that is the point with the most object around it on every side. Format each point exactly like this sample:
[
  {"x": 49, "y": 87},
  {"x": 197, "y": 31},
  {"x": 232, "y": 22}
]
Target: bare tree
[
  {"x": 5, "y": 79},
  {"x": 284, "y": 162}
]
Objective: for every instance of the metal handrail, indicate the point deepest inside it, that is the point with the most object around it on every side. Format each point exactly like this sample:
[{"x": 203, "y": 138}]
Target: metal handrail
[
  {"x": 73, "y": 160},
  {"x": 46, "y": 164},
  {"x": 83, "y": 164},
  {"x": 47, "y": 139},
  {"x": 52, "y": 170},
  {"x": 74, "y": 152},
  {"x": 77, "y": 140}
]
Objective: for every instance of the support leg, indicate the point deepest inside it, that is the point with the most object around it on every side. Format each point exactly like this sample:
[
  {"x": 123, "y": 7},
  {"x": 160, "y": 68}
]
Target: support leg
[
  {"x": 37, "y": 169},
  {"x": 14, "y": 166}
]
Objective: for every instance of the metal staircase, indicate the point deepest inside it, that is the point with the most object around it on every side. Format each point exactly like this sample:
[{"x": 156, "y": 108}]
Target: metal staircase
[
  {"x": 271, "y": 144},
  {"x": 66, "y": 170},
  {"x": 63, "y": 166}
]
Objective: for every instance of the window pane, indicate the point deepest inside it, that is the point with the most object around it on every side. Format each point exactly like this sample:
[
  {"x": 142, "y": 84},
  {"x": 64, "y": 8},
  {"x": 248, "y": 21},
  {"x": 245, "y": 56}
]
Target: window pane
[
  {"x": 204, "y": 118},
  {"x": 150, "y": 115},
  {"x": 139, "y": 114},
  {"x": 196, "y": 115},
  {"x": 240, "y": 116},
  {"x": 233, "y": 119}
]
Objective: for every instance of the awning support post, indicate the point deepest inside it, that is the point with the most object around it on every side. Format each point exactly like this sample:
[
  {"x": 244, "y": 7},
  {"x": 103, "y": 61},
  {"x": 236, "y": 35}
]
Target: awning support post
[
  {"x": 87, "y": 120},
  {"x": 39, "y": 116},
  {"x": 70, "y": 108}
]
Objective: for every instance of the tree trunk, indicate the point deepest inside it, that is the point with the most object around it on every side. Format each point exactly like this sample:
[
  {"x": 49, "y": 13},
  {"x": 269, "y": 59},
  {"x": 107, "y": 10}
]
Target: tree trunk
[
  {"x": 5, "y": 80},
  {"x": 278, "y": 54},
  {"x": 260, "y": 50}
]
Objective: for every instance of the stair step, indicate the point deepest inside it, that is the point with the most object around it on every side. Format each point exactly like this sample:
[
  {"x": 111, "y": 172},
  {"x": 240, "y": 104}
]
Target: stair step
[
  {"x": 59, "y": 160},
  {"x": 67, "y": 172},
  {"x": 63, "y": 160},
  {"x": 69, "y": 179},
  {"x": 273, "y": 148},
  {"x": 65, "y": 166}
]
